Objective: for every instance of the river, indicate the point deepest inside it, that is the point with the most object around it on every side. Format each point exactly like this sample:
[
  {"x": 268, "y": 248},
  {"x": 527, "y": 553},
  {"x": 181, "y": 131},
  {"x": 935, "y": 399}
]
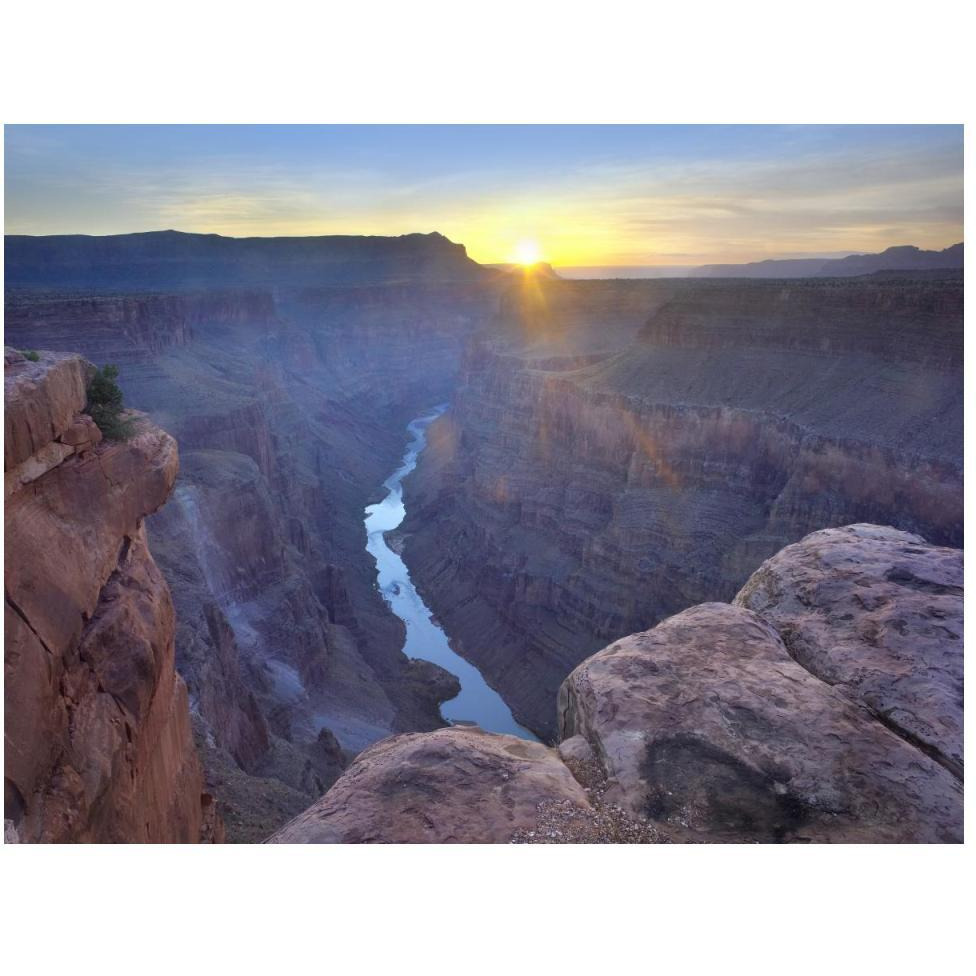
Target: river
[{"x": 477, "y": 702}]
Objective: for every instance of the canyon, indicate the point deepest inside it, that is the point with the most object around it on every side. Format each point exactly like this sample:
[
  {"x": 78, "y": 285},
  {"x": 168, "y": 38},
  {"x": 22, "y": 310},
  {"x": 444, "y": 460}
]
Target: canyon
[
  {"x": 613, "y": 453},
  {"x": 617, "y": 452},
  {"x": 289, "y": 404},
  {"x": 711, "y": 727}
]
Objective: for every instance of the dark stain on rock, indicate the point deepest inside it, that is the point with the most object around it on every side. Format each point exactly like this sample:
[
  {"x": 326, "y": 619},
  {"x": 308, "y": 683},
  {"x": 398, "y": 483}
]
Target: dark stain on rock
[
  {"x": 905, "y": 576},
  {"x": 695, "y": 782}
]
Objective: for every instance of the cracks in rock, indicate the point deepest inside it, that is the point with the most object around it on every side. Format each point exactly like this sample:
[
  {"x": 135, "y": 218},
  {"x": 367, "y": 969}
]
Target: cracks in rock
[
  {"x": 90, "y": 619},
  {"x": 98, "y": 458},
  {"x": 23, "y": 616},
  {"x": 953, "y": 766}
]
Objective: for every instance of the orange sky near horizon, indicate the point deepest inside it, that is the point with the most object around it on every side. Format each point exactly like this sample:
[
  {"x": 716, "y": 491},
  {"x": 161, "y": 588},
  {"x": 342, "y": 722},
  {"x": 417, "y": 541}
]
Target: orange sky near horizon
[{"x": 582, "y": 195}]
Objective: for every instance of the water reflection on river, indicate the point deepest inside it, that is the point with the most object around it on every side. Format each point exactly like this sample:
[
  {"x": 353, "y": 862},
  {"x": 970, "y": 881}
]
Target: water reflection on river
[{"x": 477, "y": 702}]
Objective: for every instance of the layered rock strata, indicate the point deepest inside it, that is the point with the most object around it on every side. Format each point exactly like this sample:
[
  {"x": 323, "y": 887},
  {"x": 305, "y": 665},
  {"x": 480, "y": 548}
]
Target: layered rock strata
[
  {"x": 98, "y": 744},
  {"x": 287, "y": 372},
  {"x": 590, "y": 482}
]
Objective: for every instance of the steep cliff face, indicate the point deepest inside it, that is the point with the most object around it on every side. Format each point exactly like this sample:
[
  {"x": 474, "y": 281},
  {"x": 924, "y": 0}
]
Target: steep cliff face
[
  {"x": 802, "y": 722},
  {"x": 124, "y": 329},
  {"x": 572, "y": 499},
  {"x": 289, "y": 406},
  {"x": 98, "y": 745}
]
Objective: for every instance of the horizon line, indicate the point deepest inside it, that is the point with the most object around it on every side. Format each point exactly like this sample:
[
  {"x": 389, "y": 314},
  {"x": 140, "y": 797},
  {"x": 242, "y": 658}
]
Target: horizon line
[{"x": 785, "y": 256}]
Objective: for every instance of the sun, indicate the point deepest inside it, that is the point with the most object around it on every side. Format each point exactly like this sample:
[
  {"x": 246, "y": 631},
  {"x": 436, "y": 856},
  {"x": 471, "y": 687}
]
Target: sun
[{"x": 527, "y": 252}]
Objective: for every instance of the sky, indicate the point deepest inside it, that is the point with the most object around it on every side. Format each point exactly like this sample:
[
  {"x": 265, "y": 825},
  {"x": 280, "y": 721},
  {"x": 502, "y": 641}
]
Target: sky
[{"x": 574, "y": 195}]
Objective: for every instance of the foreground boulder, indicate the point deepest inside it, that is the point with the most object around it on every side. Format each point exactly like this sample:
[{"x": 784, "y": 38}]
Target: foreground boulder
[
  {"x": 707, "y": 722},
  {"x": 98, "y": 745},
  {"x": 878, "y": 613},
  {"x": 456, "y": 785},
  {"x": 834, "y": 713}
]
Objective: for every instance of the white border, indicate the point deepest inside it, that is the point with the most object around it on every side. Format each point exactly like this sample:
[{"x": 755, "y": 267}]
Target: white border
[{"x": 486, "y": 910}]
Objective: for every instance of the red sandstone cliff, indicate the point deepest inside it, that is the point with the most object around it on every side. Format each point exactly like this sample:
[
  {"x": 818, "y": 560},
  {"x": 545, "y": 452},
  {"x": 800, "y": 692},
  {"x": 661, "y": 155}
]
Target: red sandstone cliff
[{"x": 98, "y": 744}]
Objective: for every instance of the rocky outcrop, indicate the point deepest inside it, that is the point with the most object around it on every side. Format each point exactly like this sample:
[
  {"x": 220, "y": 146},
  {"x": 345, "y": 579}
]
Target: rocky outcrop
[
  {"x": 98, "y": 745},
  {"x": 584, "y": 496},
  {"x": 458, "y": 785},
  {"x": 720, "y": 724},
  {"x": 707, "y": 722},
  {"x": 878, "y": 614},
  {"x": 41, "y": 401}
]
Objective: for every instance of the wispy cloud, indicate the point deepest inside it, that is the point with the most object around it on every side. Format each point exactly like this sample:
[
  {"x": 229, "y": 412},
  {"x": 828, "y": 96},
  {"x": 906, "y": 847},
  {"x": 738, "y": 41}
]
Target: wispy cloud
[{"x": 612, "y": 196}]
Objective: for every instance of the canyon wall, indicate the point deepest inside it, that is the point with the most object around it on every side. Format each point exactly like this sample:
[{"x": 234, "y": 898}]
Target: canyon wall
[
  {"x": 98, "y": 744},
  {"x": 597, "y": 473},
  {"x": 824, "y": 705},
  {"x": 290, "y": 405}
]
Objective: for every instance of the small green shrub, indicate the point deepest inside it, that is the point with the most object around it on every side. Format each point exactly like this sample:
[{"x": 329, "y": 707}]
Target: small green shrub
[
  {"x": 31, "y": 354},
  {"x": 106, "y": 407}
]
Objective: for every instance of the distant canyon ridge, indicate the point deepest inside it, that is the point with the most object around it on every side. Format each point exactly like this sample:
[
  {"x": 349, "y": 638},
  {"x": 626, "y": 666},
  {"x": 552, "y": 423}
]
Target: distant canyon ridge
[
  {"x": 902, "y": 258},
  {"x": 615, "y": 452}
]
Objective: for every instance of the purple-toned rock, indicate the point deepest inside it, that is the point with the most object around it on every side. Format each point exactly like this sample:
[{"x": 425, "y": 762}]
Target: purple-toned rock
[
  {"x": 707, "y": 723},
  {"x": 878, "y": 613},
  {"x": 456, "y": 785}
]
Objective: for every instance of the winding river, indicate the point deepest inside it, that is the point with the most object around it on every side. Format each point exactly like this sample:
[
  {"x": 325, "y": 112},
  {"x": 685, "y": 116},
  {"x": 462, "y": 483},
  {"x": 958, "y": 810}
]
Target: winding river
[{"x": 477, "y": 702}]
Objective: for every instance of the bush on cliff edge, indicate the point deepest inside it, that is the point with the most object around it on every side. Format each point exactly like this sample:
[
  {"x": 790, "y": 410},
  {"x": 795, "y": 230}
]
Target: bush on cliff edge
[{"x": 105, "y": 405}]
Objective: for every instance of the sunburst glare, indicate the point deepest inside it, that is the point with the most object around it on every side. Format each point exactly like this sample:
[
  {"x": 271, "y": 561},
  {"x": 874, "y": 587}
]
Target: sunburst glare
[{"x": 527, "y": 252}]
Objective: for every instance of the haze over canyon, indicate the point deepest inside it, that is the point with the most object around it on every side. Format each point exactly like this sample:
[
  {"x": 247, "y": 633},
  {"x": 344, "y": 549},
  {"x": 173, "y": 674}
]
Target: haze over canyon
[{"x": 692, "y": 545}]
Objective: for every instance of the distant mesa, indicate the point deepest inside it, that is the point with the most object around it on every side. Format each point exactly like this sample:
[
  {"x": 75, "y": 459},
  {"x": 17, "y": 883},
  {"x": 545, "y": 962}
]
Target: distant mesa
[
  {"x": 173, "y": 260},
  {"x": 904, "y": 258}
]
